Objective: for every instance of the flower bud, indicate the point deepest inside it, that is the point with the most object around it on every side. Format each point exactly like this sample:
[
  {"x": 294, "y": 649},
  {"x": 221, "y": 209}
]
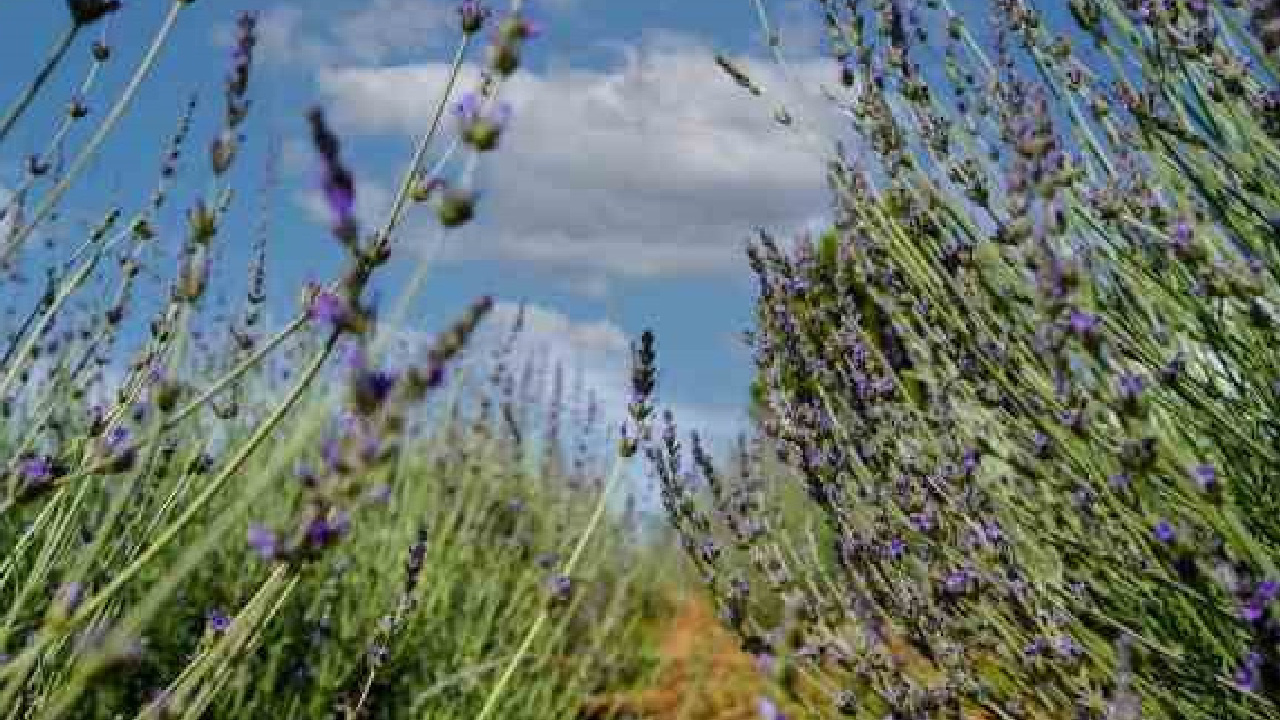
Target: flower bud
[
  {"x": 456, "y": 207},
  {"x": 513, "y": 29},
  {"x": 482, "y": 134},
  {"x": 87, "y": 12},
  {"x": 168, "y": 393},
  {"x": 472, "y": 15},
  {"x": 193, "y": 278},
  {"x": 222, "y": 151},
  {"x": 504, "y": 59},
  {"x": 201, "y": 224}
]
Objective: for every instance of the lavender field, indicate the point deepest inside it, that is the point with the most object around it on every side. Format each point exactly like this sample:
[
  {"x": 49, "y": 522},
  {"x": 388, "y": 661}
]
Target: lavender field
[{"x": 640, "y": 359}]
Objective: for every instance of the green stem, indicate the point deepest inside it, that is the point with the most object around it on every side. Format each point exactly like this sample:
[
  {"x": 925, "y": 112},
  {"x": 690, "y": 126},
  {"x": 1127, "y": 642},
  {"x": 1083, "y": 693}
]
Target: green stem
[
  {"x": 415, "y": 164},
  {"x": 188, "y": 562},
  {"x": 491, "y": 702},
  {"x": 50, "y": 201},
  {"x": 55, "y": 58}
]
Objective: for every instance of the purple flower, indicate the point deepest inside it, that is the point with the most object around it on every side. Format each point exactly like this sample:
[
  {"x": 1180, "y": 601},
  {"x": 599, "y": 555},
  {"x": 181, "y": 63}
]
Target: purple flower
[
  {"x": 370, "y": 388},
  {"x": 1251, "y": 612},
  {"x": 468, "y": 106},
  {"x": 218, "y": 621},
  {"x": 69, "y": 596},
  {"x": 37, "y": 469},
  {"x": 896, "y": 547},
  {"x": 1181, "y": 235},
  {"x": 370, "y": 447},
  {"x": 884, "y": 385},
  {"x": 338, "y": 183},
  {"x": 922, "y": 521},
  {"x": 993, "y": 532},
  {"x": 472, "y": 14},
  {"x": 957, "y": 581},
  {"x": 1246, "y": 676},
  {"x": 331, "y": 451},
  {"x": 1130, "y": 386},
  {"x": 1164, "y": 531},
  {"x": 378, "y": 384},
  {"x": 1206, "y": 476},
  {"x": 1267, "y": 590},
  {"x": 1263, "y": 596},
  {"x": 768, "y": 710},
  {"x": 325, "y": 529},
  {"x": 341, "y": 199},
  {"x": 1065, "y": 646},
  {"x": 263, "y": 541},
  {"x": 117, "y": 437},
  {"x": 328, "y": 307},
  {"x": 481, "y": 130},
  {"x": 560, "y": 586},
  {"x": 1083, "y": 324},
  {"x": 1040, "y": 444}
]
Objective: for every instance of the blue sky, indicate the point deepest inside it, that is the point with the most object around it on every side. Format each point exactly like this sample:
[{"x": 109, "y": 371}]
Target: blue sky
[{"x": 621, "y": 198}]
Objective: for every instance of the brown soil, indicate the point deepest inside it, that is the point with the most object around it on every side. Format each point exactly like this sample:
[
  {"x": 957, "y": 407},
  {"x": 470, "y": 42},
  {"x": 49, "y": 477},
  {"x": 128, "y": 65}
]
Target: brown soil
[{"x": 704, "y": 676}]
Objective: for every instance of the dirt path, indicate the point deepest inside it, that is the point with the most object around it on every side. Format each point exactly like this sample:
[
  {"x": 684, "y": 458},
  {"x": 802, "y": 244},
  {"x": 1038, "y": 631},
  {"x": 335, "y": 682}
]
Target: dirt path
[{"x": 705, "y": 676}]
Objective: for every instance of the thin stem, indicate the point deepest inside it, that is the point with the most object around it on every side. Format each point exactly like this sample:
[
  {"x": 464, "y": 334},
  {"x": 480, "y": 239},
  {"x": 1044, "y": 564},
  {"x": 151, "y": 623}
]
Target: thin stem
[
  {"x": 491, "y": 702},
  {"x": 33, "y": 336},
  {"x": 415, "y": 164},
  {"x": 55, "y": 143},
  {"x": 50, "y": 201},
  {"x": 77, "y": 684},
  {"x": 55, "y": 58}
]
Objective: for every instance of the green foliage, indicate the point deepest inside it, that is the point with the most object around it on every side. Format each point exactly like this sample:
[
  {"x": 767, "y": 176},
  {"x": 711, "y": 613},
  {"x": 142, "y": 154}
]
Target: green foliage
[
  {"x": 1026, "y": 381},
  {"x": 237, "y": 526}
]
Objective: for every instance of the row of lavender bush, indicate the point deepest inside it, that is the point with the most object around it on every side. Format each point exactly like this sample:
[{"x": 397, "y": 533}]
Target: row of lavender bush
[
  {"x": 1025, "y": 388},
  {"x": 193, "y": 524}
]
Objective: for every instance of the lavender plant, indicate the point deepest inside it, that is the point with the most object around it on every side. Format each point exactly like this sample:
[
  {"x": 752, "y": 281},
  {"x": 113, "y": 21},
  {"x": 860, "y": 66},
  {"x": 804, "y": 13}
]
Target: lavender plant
[
  {"x": 182, "y": 538},
  {"x": 1026, "y": 382}
]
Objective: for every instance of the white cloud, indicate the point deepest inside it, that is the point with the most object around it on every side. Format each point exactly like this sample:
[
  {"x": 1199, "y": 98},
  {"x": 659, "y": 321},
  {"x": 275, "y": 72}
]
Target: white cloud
[
  {"x": 593, "y": 286},
  {"x": 659, "y": 167},
  {"x": 600, "y": 350},
  {"x": 375, "y": 32},
  {"x": 282, "y": 40},
  {"x": 325, "y": 32},
  {"x": 591, "y": 338},
  {"x": 383, "y": 27}
]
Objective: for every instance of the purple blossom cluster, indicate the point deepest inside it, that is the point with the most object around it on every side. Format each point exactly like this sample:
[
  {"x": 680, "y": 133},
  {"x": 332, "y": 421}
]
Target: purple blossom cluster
[
  {"x": 1023, "y": 381},
  {"x": 356, "y": 458}
]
